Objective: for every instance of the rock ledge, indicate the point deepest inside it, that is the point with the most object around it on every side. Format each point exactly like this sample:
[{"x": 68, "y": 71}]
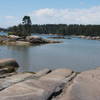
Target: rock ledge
[{"x": 58, "y": 84}]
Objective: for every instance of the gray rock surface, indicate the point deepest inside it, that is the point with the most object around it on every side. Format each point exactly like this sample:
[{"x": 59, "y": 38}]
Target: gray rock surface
[
  {"x": 8, "y": 62},
  {"x": 57, "y": 75},
  {"x": 86, "y": 86},
  {"x": 28, "y": 41},
  {"x": 36, "y": 89},
  {"x": 42, "y": 72},
  {"x": 13, "y": 79},
  {"x": 8, "y": 66}
]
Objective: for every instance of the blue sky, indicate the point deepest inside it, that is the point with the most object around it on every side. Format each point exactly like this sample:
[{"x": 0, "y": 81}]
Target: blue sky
[{"x": 50, "y": 11}]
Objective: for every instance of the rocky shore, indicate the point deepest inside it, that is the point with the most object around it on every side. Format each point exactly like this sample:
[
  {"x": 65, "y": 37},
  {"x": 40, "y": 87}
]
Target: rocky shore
[
  {"x": 29, "y": 40},
  {"x": 89, "y": 37},
  {"x": 58, "y": 84},
  {"x": 59, "y": 37}
]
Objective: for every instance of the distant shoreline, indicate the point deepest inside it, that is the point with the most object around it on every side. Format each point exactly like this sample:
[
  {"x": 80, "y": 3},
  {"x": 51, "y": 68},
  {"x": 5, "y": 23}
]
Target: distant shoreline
[
  {"x": 61, "y": 36},
  {"x": 27, "y": 41}
]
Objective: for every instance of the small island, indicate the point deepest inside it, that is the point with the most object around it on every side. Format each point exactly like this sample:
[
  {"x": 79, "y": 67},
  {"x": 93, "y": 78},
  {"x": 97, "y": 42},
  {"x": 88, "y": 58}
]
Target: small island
[
  {"x": 28, "y": 40},
  {"x": 21, "y": 35}
]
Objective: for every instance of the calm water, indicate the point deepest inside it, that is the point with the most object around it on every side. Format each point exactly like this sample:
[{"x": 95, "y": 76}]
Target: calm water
[{"x": 77, "y": 54}]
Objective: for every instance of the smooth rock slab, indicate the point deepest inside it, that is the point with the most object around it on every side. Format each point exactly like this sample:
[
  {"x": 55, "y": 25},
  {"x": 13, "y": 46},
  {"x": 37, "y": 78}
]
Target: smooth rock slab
[
  {"x": 86, "y": 86},
  {"x": 42, "y": 72},
  {"x": 36, "y": 89},
  {"x": 8, "y": 81},
  {"x": 19, "y": 77},
  {"x": 57, "y": 75}
]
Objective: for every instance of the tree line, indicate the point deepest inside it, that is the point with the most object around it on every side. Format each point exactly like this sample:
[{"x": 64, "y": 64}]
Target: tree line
[
  {"x": 61, "y": 29},
  {"x": 26, "y": 28},
  {"x": 2, "y": 29}
]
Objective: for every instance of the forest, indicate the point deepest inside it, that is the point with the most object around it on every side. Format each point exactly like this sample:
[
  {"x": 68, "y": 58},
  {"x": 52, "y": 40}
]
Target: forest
[
  {"x": 27, "y": 28},
  {"x": 60, "y": 29}
]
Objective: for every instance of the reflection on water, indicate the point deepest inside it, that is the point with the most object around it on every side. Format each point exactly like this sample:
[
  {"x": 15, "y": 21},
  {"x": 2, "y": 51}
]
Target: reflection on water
[
  {"x": 22, "y": 55},
  {"x": 76, "y": 54}
]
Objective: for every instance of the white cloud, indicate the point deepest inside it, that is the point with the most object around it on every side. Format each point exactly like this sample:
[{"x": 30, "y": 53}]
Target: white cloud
[
  {"x": 57, "y": 16},
  {"x": 66, "y": 16}
]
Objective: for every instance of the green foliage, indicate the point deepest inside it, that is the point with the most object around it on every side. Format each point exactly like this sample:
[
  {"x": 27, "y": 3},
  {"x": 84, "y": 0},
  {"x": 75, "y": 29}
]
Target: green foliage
[
  {"x": 2, "y": 29},
  {"x": 63, "y": 29},
  {"x": 23, "y": 29},
  {"x": 26, "y": 20},
  {"x": 26, "y": 28},
  {"x": 11, "y": 33}
]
